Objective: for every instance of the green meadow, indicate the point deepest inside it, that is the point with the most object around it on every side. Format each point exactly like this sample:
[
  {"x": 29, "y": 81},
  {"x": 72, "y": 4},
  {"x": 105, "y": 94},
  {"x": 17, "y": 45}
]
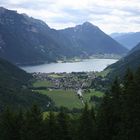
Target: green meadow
[
  {"x": 42, "y": 84},
  {"x": 69, "y": 98}
]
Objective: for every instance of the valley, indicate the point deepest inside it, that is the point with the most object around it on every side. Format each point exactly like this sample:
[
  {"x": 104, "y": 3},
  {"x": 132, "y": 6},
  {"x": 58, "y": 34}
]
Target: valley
[
  {"x": 70, "y": 90},
  {"x": 65, "y": 67},
  {"x": 70, "y": 83}
]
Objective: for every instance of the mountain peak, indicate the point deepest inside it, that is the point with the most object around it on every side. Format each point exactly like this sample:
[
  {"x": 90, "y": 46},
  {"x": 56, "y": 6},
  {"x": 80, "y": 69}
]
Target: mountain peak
[
  {"x": 88, "y": 24},
  {"x": 2, "y": 9},
  {"x": 85, "y": 26},
  {"x": 41, "y": 44}
]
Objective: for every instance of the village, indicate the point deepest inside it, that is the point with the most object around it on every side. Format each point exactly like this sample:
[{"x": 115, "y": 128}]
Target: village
[
  {"x": 74, "y": 80},
  {"x": 76, "y": 87}
]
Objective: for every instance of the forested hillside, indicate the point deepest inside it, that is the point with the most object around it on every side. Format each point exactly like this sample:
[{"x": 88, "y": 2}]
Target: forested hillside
[
  {"x": 118, "y": 117},
  {"x": 132, "y": 61},
  {"x": 12, "y": 76},
  {"x": 14, "y": 90}
]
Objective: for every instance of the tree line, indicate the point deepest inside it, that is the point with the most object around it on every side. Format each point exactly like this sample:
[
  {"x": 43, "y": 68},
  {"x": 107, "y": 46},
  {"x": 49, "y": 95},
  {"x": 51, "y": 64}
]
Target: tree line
[{"x": 118, "y": 118}]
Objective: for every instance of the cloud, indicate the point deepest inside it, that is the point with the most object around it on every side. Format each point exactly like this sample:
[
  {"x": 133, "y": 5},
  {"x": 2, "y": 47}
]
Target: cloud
[{"x": 109, "y": 15}]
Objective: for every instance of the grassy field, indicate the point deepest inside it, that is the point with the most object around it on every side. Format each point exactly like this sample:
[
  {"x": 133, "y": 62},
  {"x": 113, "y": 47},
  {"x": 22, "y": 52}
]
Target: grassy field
[
  {"x": 69, "y": 98},
  {"x": 92, "y": 92},
  {"x": 103, "y": 73},
  {"x": 55, "y": 76},
  {"x": 42, "y": 84},
  {"x": 64, "y": 98}
]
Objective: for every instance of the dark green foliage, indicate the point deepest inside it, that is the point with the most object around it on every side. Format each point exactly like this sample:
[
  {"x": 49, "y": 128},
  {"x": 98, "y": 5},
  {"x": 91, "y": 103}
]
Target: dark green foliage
[
  {"x": 51, "y": 127},
  {"x": 93, "y": 115},
  {"x": 31, "y": 125},
  {"x": 128, "y": 79},
  {"x": 118, "y": 118},
  {"x": 104, "y": 120},
  {"x": 22, "y": 126},
  {"x": 10, "y": 125},
  {"x": 32, "y": 129},
  {"x": 109, "y": 113},
  {"x": 132, "y": 61},
  {"x": 119, "y": 114},
  {"x": 14, "y": 88},
  {"x": 130, "y": 125},
  {"x": 63, "y": 125},
  {"x": 87, "y": 124},
  {"x": 12, "y": 76}
]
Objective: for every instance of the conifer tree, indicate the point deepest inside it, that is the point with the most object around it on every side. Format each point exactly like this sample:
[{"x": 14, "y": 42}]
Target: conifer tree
[
  {"x": 92, "y": 113},
  {"x": 86, "y": 125},
  {"x": 128, "y": 78},
  {"x": 19, "y": 123},
  {"x": 33, "y": 124},
  {"x": 130, "y": 126},
  {"x": 9, "y": 125},
  {"x": 63, "y": 125},
  {"x": 51, "y": 128},
  {"x": 109, "y": 113},
  {"x": 104, "y": 119}
]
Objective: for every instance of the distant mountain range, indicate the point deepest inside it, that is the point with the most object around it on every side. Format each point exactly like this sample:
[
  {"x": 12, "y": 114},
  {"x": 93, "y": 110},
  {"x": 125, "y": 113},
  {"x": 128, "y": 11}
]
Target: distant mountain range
[
  {"x": 25, "y": 40},
  {"x": 129, "y": 40},
  {"x": 132, "y": 61}
]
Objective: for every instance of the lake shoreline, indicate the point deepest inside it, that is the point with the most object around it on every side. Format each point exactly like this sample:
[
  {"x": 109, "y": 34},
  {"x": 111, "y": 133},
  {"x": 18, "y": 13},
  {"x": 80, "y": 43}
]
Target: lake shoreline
[
  {"x": 85, "y": 65},
  {"x": 71, "y": 60}
]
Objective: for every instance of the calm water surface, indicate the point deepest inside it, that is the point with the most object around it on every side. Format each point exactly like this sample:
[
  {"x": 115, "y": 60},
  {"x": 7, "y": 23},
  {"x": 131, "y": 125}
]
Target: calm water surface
[{"x": 85, "y": 65}]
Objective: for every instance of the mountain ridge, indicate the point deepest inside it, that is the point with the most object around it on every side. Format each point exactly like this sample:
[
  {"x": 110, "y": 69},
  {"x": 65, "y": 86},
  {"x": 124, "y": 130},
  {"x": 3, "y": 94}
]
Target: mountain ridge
[
  {"x": 130, "y": 61},
  {"x": 25, "y": 40},
  {"x": 90, "y": 36},
  {"x": 129, "y": 40}
]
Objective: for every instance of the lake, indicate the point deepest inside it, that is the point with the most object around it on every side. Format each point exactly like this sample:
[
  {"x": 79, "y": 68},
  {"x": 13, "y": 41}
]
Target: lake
[{"x": 85, "y": 65}]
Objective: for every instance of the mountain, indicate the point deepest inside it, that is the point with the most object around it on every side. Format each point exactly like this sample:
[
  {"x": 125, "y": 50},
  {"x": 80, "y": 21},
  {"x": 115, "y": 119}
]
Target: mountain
[
  {"x": 25, "y": 40},
  {"x": 129, "y": 40},
  {"x": 136, "y": 48},
  {"x": 12, "y": 76},
  {"x": 132, "y": 61},
  {"x": 14, "y": 88},
  {"x": 91, "y": 40}
]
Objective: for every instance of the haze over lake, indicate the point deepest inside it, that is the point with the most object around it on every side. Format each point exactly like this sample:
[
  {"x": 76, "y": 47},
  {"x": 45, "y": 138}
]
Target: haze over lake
[{"x": 85, "y": 65}]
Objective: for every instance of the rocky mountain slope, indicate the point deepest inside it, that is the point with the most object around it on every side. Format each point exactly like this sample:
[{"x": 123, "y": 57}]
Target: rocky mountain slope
[
  {"x": 25, "y": 40},
  {"x": 91, "y": 40}
]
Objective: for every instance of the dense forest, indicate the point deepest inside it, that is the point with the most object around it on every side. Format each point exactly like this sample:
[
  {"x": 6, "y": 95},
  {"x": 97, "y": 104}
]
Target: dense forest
[
  {"x": 14, "y": 91},
  {"x": 117, "y": 118},
  {"x": 131, "y": 60}
]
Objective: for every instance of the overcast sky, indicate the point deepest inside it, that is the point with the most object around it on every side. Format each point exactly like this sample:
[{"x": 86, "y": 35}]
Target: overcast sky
[{"x": 109, "y": 15}]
